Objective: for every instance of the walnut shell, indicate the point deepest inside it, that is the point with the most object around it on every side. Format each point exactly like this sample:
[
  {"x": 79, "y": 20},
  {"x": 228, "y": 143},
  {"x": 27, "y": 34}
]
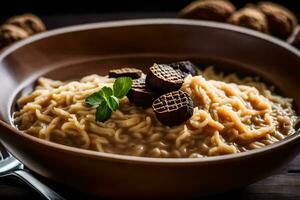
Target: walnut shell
[
  {"x": 10, "y": 33},
  {"x": 281, "y": 21},
  {"x": 251, "y": 18},
  {"x": 30, "y": 23},
  {"x": 214, "y": 10}
]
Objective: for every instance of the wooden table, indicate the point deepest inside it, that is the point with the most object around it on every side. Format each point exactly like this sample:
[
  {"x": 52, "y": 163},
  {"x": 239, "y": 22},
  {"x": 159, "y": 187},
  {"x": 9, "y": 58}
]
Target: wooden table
[{"x": 281, "y": 186}]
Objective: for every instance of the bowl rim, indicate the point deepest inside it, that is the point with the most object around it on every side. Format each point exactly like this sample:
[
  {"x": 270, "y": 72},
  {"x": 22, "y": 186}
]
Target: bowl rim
[{"x": 142, "y": 22}]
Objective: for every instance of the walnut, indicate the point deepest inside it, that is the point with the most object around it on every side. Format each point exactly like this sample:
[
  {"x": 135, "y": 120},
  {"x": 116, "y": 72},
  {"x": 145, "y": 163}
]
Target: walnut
[
  {"x": 215, "y": 10},
  {"x": 10, "y": 33},
  {"x": 250, "y": 17},
  {"x": 29, "y": 22},
  {"x": 281, "y": 21}
]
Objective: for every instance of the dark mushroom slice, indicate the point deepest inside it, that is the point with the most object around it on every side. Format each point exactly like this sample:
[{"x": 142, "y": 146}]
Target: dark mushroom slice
[
  {"x": 187, "y": 67},
  {"x": 128, "y": 72},
  {"x": 173, "y": 108},
  {"x": 140, "y": 95},
  {"x": 162, "y": 78}
]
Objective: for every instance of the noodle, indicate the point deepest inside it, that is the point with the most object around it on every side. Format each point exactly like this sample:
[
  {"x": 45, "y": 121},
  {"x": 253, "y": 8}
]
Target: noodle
[{"x": 231, "y": 115}]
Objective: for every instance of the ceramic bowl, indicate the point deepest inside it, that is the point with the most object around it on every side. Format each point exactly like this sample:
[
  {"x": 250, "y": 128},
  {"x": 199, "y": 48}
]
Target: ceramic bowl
[{"x": 77, "y": 51}]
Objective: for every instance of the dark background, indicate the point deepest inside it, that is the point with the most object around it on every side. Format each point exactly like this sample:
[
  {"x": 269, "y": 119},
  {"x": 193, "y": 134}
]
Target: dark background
[
  {"x": 52, "y": 7},
  {"x": 60, "y": 13}
]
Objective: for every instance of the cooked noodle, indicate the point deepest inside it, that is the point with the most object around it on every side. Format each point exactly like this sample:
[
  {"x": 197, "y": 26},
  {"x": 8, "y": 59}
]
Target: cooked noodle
[{"x": 231, "y": 115}]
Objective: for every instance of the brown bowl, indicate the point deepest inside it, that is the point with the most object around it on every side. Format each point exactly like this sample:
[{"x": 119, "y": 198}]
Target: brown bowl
[{"x": 73, "y": 52}]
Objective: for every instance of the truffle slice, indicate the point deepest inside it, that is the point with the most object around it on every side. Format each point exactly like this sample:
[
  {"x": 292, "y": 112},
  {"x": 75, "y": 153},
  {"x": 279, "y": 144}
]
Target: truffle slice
[
  {"x": 129, "y": 72},
  {"x": 162, "y": 78},
  {"x": 140, "y": 95},
  {"x": 173, "y": 108},
  {"x": 187, "y": 67}
]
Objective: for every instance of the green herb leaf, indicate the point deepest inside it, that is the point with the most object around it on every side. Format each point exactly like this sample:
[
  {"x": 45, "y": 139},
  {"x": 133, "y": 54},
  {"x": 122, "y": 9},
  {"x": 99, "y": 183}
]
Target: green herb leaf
[
  {"x": 103, "y": 112},
  {"x": 107, "y": 100},
  {"x": 113, "y": 103},
  {"x": 94, "y": 99},
  {"x": 121, "y": 86},
  {"x": 107, "y": 94}
]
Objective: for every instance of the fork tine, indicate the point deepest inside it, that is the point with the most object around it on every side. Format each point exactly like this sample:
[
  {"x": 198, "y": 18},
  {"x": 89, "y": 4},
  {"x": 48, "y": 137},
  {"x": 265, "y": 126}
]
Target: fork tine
[{"x": 3, "y": 152}]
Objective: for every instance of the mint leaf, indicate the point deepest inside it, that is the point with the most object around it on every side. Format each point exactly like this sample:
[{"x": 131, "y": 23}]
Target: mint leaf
[
  {"x": 121, "y": 86},
  {"x": 106, "y": 92},
  {"x": 94, "y": 99},
  {"x": 107, "y": 100},
  {"x": 103, "y": 112},
  {"x": 113, "y": 103}
]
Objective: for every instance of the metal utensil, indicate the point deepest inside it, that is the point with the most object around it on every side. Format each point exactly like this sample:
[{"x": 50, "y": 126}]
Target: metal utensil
[{"x": 11, "y": 167}]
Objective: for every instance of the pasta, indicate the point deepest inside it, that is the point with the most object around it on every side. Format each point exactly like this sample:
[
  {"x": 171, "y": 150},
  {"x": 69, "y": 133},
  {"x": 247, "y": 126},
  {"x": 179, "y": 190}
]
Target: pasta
[{"x": 231, "y": 115}]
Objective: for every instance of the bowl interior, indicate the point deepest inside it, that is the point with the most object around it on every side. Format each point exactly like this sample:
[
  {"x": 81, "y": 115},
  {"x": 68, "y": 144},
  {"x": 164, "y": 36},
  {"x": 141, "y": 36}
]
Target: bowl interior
[{"x": 101, "y": 65}]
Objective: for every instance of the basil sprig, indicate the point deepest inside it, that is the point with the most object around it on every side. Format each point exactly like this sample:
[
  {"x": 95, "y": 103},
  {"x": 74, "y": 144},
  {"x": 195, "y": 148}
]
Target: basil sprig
[{"x": 107, "y": 99}]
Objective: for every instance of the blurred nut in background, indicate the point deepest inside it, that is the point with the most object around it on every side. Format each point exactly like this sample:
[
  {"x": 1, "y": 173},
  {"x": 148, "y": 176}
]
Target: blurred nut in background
[
  {"x": 250, "y": 17},
  {"x": 281, "y": 21},
  {"x": 215, "y": 10},
  {"x": 29, "y": 22},
  {"x": 10, "y": 33}
]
